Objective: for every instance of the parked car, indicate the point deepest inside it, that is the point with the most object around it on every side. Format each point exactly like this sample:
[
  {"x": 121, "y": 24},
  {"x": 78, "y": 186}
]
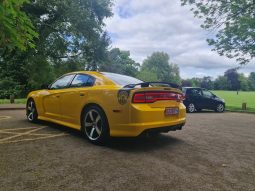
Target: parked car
[
  {"x": 197, "y": 99},
  {"x": 102, "y": 104}
]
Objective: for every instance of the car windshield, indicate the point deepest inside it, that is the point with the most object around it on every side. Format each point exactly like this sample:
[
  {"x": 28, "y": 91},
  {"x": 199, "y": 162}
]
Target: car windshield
[{"x": 120, "y": 79}]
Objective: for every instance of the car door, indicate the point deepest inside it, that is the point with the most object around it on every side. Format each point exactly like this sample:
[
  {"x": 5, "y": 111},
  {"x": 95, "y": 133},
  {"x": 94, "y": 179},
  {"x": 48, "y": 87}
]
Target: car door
[
  {"x": 51, "y": 101},
  {"x": 195, "y": 97},
  {"x": 207, "y": 100},
  {"x": 73, "y": 99}
]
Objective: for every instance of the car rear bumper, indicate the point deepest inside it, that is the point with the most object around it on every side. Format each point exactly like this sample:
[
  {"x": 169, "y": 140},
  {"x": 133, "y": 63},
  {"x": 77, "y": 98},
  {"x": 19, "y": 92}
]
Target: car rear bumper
[
  {"x": 136, "y": 129},
  {"x": 144, "y": 117}
]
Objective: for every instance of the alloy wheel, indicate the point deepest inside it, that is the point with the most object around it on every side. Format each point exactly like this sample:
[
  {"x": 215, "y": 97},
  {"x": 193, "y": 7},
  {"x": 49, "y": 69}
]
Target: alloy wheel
[
  {"x": 93, "y": 124},
  {"x": 31, "y": 111},
  {"x": 220, "y": 108},
  {"x": 191, "y": 108}
]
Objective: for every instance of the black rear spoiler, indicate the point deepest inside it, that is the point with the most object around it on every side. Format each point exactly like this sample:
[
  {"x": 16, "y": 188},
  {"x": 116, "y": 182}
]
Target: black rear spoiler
[{"x": 147, "y": 84}]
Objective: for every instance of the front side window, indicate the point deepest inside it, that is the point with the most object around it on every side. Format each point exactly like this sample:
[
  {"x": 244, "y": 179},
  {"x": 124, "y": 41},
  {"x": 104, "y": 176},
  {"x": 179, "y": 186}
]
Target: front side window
[
  {"x": 195, "y": 92},
  {"x": 122, "y": 80},
  {"x": 207, "y": 93},
  {"x": 62, "y": 82},
  {"x": 82, "y": 80}
]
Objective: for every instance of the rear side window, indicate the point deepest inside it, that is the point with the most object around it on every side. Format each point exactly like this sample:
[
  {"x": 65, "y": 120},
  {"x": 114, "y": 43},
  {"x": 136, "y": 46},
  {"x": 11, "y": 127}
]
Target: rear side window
[
  {"x": 62, "y": 82},
  {"x": 122, "y": 80},
  {"x": 82, "y": 80}
]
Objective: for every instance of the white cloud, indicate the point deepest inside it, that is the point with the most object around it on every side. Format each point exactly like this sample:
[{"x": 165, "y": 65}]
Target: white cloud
[{"x": 144, "y": 26}]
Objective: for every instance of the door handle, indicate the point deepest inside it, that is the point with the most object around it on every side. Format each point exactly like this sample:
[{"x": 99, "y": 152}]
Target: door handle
[
  {"x": 82, "y": 94},
  {"x": 57, "y": 96}
]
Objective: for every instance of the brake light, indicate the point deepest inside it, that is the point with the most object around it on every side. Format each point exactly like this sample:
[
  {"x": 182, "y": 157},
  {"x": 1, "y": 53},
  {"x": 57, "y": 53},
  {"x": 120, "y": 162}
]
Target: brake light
[{"x": 150, "y": 97}]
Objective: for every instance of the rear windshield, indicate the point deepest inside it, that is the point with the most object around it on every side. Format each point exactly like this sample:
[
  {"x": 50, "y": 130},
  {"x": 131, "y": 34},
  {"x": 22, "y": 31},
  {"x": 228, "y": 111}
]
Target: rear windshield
[{"x": 120, "y": 79}]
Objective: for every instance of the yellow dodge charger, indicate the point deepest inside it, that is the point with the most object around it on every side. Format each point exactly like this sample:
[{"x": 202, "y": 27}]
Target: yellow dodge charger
[{"x": 103, "y": 104}]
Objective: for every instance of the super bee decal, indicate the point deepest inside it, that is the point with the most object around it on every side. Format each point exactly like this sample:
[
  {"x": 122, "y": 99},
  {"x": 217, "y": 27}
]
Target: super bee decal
[{"x": 123, "y": 96}]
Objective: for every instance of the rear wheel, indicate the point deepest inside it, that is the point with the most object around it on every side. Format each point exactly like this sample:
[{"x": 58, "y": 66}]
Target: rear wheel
[
  {"x": 31, "y": 111},
  {"x": 191, "y": 108},
  {"x": 220, "y": 108},
  {"x": 95, "y": 125}
]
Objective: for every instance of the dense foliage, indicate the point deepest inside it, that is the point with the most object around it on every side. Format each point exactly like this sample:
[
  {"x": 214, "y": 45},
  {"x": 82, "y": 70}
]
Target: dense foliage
[
  {"x": 70, "y": 37},
  {"x": 119, "y": 61},
  {"x": 234, "y": 24},
  {"x": 17, "y": 30},
  {"x": 157, "y": 68}
]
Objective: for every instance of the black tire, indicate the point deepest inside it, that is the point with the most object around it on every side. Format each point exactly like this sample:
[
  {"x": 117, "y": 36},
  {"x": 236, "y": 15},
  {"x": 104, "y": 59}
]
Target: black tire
[
  {"x": 94, "y": 125},
  {"x": 31, "y": 112},
  {"x": 191, "y": 108},
  {"x": 220, "y": 108}
]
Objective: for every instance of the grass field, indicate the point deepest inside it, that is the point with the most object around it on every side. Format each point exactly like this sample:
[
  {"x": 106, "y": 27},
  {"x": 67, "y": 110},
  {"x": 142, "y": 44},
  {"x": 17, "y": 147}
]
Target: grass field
[
  {"x": 234, "y": 101},
  {"x": 18, "y": 101}
]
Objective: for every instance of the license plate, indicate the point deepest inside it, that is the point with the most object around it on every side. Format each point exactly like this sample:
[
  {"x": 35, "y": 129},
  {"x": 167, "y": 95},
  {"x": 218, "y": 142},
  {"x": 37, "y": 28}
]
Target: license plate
[{"x": 171, "y": 111}]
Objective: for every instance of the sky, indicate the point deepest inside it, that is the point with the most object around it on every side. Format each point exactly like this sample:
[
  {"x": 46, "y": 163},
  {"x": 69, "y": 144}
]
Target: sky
[{"x": 146, "y": 26}]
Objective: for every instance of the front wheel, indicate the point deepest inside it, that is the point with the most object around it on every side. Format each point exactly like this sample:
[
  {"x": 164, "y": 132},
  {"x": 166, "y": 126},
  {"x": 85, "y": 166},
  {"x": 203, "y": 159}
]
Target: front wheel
[
  {"x": 95, "y": 125},
  {"x": 220, "y": 108},
  {"x": 191, "y": 108},
  {"x": 31, "y": 111}
]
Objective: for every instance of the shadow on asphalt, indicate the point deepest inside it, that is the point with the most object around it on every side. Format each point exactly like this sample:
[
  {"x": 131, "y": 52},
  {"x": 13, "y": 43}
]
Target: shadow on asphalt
[
  {"x": 143, "y": 143},
  {"x": 132, "y": 144}
]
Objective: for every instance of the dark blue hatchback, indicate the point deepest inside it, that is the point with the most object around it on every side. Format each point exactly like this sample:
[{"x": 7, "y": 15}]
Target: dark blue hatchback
[{"x": 197, "y": 99}]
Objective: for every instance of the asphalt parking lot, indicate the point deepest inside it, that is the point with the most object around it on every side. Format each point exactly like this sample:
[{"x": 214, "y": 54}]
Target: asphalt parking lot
[{"x": 213, "y": 152}]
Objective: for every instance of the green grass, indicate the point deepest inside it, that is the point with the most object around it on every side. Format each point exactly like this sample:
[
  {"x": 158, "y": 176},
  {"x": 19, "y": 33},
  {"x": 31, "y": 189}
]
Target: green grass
[
  {"x": 234, "y": 101},
  {"x": 17, "y": 101}
]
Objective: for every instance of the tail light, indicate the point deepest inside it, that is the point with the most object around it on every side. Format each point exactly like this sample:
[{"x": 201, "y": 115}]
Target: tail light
[{"x": 150, "y": 97}]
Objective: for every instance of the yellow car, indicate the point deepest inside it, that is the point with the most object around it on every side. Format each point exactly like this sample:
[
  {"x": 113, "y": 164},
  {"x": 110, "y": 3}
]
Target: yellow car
[{"x": 104, "y": 105}]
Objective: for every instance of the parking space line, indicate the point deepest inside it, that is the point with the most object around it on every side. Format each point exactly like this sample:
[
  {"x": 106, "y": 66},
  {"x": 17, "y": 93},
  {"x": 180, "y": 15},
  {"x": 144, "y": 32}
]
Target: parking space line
[
  {"x": 33, "y": 139},
  {"x": 31, "y": 131},
  {"x": 21, "y": 134},
  {"x": 4, "y": 117},
  {"x": 15, "y": 129},
  {"x": 13, "y": 133}
]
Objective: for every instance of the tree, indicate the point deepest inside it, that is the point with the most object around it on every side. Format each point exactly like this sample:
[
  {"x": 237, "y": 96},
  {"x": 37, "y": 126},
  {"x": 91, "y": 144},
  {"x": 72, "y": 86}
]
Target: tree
[
  {"x": 244, "y": 83},
  {"x": 147, "y": 76},
  {"x": 71, "y": 29},
  {"x": 119, "y": 61},
  {"x": 252, "y": 81},
  {"x": 158, "y": 64},
  {"x": 207, "y": 83},
  {"x": 71, "y": 36},
  {"x": 222, "y": 83},
  {"x": 187, "y": 83},
  {"x": 233, "y": 78},
  {"x": 17, "y": 30},
  {"x": 234, "y": 21}
]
